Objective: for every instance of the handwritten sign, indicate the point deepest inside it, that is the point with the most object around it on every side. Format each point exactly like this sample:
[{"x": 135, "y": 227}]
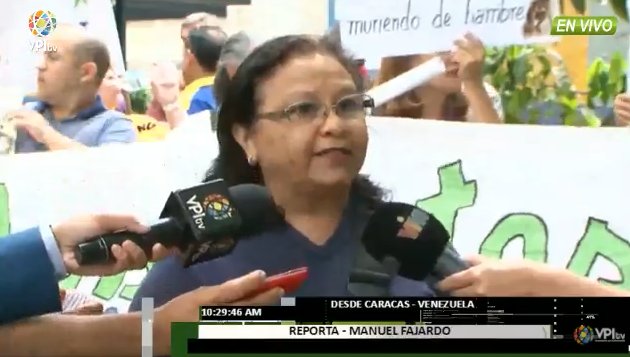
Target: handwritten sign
[{"x": 377, "y": 28}]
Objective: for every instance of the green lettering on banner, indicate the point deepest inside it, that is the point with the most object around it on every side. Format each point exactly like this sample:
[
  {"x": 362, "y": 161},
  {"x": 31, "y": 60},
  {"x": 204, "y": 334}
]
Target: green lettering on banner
[
  {"x": 455, "y": 193},
  {"x": 5, "y": 217},
  {"x": 108, "y": 286},
  {"x": 600, "y": 241},
  {"x": 530, "y": 227}
]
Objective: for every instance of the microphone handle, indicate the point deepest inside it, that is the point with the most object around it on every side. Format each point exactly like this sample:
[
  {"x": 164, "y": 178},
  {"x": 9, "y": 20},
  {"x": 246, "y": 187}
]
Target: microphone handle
[
  {"x": 449, "y": 263},
  {"x": 98, "y": 250}
]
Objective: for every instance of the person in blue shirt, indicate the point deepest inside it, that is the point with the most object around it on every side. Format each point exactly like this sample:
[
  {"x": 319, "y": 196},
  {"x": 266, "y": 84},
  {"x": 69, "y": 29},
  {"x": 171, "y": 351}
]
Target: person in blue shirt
[
  {"x": 66, "y": 112},
  {"x": 294, "y": 120}
]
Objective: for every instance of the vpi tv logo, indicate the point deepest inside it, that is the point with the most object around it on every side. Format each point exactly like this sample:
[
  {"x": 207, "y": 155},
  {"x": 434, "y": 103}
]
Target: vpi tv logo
[
  {"x": 585, "y": 334},
  {"x": 609, "y": 334},
  {"x": 41, "y": 24}
]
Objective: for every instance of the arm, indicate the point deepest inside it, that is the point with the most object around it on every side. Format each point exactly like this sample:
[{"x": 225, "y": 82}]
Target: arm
[
  {"x": 54, "y": 140},
  {"x": 71, "y": 335},
  {"x": 28, "y": 285},
  {"x": 174, "y": 114},
  {"x": 482, "y": 107},
  {"x": 560, "y": 282},
  {"x": 119, "y": 130}
]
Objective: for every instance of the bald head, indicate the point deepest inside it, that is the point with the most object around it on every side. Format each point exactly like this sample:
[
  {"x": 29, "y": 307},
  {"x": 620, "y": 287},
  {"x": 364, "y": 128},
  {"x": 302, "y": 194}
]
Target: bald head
[
  {"x": 198, "y": 19},
  {"x": 84, "y": 49}
]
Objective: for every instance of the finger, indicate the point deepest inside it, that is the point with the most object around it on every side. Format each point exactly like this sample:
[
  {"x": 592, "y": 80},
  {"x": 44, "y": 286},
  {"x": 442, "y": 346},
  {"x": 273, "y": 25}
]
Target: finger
[
  {"x": 159, "y": 252},
  {"x": 457, "y": 281},
  {"x": 239, "y": 288},
  {"x": 477, "y": 259},
  {"x": 137, "y": 256},
  {"x": 117, "y": 222},
  {"x": 121, "y": 260},
  {"x": 269, "y": 297},
  {"x": 469, "y": 291},
  {"x": 623, "y": 115},
  {"x": 624, "y": 98},
  {"x": 622, "y": 106},
  {"x": 473, "y": 40},
  {"x": 461, "y": 44}
]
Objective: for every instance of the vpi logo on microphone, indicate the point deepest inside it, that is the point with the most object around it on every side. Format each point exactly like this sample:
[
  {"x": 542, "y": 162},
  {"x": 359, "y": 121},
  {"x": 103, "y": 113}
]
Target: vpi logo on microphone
[
  {"x": 41, "y": 24},
  {"x": 215, "y": 206}
]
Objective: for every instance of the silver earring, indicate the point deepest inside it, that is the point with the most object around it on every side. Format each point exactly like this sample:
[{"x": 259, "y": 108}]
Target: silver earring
[{"x": 251, "y": 161}]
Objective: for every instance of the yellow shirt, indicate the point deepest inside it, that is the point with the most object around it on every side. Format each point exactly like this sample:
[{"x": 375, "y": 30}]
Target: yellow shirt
[
  {"x": 189, "y": 91},
  {"x": 147, "y": 128}
]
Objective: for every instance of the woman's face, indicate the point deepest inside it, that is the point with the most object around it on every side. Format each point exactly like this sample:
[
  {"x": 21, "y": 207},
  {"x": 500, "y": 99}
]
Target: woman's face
[
  {"x": 313, "y": 145},
  {"x": 110, "y": 89},
  {"x": 448, "y": 82}
]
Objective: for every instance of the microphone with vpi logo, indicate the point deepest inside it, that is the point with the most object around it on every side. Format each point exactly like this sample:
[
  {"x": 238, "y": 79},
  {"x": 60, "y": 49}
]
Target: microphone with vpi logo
[
  {"x": 204, "y": 222},
  {"x": 415, "y": 239}
]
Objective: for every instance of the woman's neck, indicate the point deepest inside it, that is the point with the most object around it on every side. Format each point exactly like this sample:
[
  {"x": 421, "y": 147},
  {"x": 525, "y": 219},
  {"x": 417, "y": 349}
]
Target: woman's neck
[{"x": 316, "y": 213}]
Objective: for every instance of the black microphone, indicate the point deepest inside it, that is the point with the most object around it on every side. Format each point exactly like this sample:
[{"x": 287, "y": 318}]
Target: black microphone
[
  {"x": 203, "y": 222},
  {"x": 414, "y": 238}
]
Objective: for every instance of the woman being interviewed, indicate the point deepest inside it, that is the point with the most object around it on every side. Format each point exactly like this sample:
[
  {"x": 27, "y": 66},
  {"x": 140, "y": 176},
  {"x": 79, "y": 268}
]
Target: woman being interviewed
[{"x": 293, "y": 119}]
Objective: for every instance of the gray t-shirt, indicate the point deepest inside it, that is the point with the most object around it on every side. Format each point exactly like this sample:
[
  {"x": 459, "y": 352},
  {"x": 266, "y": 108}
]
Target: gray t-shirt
[{"x": 93, "y": 126}]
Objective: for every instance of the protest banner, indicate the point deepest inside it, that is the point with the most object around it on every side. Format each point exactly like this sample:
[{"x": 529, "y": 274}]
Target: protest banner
[
  {"x": 375, "y": 28},
  {"x": 537, "y": 192},
  {"x": 50, "y": 187}
]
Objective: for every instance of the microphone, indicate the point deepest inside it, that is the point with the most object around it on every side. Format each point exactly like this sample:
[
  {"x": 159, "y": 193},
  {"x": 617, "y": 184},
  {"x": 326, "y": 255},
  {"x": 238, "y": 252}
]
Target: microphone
[
  {"x": 415, "y": 239},
  {"x": 204, "y": 222}
]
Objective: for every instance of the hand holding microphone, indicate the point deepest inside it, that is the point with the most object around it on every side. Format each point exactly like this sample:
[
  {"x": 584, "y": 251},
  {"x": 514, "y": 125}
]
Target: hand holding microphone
[
  {"x": 202, "y": 222},
  {"x": 125, "y": 255}
]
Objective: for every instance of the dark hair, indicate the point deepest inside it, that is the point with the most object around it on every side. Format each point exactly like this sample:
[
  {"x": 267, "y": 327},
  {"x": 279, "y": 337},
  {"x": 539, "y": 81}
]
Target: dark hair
[
  {"x": 205, "y": 43},
  {"x": 95, "y": 51},
  {"x": 241, "y": 101},
  {"x": 235, "y": 49}
]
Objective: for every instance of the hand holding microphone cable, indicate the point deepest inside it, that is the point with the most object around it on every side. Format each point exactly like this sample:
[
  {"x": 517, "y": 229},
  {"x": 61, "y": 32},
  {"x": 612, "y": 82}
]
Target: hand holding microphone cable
[{"x": 203, "y": 222}]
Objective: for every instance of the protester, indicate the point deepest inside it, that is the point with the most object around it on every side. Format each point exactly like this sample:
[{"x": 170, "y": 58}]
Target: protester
[
  {"x": 199, "y": 67},
  {"x": 46, "y": 254},
  {"x": 488, "y": 277},
  {"x": 121, "y": 334},
  {"x": 234, "y": 51},
  {"x": 115, "y": 95},
  {"x": 194, "y": 21},
  {"x": 191, "y": 22},
  {"x": 622, "y": 109},
  {"x": 458, "y": 95},
  {"x": 69, "y": 114},
  {"x": 293, "y": 119},
  {"x": 111, "y": 92},
  {"x": 164, "y": 79}
]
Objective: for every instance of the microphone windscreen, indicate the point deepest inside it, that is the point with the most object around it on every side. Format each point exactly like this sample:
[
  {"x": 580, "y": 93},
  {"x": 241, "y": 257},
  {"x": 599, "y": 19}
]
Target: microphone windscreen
[{"x": 410, "y": 235}]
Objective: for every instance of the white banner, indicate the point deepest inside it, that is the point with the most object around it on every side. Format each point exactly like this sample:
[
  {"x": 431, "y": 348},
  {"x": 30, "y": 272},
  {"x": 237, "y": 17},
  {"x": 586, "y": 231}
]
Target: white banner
[
  {"x": 552, "y": 194},
  {"x": 220, "y": 331},
  {"x": 49, "y": 187},
  {"x": 377, "y": 28}
]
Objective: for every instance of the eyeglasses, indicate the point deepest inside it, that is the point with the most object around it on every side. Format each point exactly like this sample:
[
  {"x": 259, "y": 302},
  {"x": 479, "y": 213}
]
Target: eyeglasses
[{"x": 354, "y": 106}]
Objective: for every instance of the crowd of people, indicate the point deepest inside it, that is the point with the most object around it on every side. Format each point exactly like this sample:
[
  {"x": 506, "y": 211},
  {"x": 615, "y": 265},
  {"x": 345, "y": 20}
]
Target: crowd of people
[{"x": 291, "y": 116}]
